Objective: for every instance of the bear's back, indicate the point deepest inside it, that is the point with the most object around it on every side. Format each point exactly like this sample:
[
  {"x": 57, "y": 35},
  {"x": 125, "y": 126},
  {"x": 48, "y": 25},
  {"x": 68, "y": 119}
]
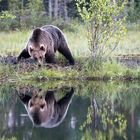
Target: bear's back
[
  {"x": 55, "y": 33},
  {"x": 53, "y": 30}
]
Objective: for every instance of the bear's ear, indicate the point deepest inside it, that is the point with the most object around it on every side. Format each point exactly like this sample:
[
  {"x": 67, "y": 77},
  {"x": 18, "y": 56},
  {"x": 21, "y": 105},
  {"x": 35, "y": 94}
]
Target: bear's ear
[{"x": 36, "y": 34}]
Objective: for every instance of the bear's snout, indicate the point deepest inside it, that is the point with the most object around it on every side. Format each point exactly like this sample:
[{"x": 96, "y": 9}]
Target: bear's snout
[
  {"x": 39, "y": 60},
  {"x": 37, "y": 103}
]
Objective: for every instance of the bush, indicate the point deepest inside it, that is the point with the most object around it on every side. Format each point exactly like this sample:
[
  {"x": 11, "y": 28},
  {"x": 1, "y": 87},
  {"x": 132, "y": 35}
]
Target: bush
[
  {"x": 7, "y": 19},
  {"x": 105, "y": 22}
]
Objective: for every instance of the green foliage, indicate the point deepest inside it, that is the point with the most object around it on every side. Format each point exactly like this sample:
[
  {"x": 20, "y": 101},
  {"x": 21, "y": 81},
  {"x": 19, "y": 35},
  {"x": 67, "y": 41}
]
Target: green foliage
[
  {"x": 133, "y": 11},
  {"x": 30, "y": 13},
  {"x": 88, "y": 119},
  {"x": 5, "y": 97},
  {"x": 105, "y": 25},
  {"x": 114, "y": 69},
  {"x": 111, "y": 121},
  {"x": 26, "y": 15},
  {"x": 6, "y": 20},
  {"x": 36, "y": 12},
  {"x": 87, "y": 135},
  {"x": 16, "y": 8}
]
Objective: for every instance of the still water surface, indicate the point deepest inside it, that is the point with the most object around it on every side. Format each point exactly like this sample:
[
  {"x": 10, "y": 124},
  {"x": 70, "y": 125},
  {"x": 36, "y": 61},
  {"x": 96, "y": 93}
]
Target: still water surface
[{"x": 85, "y": 111}]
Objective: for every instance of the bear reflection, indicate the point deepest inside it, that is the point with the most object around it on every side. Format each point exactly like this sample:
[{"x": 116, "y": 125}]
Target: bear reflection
[{"x": 44, "y": 110}]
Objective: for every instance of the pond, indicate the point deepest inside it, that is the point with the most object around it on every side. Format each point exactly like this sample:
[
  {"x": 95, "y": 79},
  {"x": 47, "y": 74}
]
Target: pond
[{"x": 78, "y": 111}]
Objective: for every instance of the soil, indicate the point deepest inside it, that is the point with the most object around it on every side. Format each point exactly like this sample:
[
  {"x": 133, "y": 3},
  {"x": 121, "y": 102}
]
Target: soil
[
  {"x": 12, "y": 60},
  {"x": 29, "y": 64},
  {"x": 130, "y": 60}
]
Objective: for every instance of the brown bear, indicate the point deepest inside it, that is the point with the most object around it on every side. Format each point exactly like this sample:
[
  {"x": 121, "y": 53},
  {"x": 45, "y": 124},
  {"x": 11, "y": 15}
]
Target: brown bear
[
  {"x": 44, "y": 110},
  {"x": 43, "y": 43}
]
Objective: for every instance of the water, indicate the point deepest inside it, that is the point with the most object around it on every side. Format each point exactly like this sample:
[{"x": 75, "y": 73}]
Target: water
[{"x": 82, "y": 111}]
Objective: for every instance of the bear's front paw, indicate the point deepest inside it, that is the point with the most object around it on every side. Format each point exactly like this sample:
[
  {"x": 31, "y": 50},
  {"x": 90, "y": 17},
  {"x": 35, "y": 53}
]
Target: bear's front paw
[{"x": 72, "y": 62}]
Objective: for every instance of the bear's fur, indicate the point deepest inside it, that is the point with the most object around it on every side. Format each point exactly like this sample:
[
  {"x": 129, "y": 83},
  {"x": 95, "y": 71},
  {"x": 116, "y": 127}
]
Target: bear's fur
[
  {"x": 45, "y": 111},
  {"x": 43, "y": 44}
]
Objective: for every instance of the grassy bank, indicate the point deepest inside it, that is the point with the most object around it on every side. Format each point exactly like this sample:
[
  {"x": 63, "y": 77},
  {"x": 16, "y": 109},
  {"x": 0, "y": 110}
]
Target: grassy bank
[
  {"x": 109, "y": 71},
  {"x": 11, "y": 43}
]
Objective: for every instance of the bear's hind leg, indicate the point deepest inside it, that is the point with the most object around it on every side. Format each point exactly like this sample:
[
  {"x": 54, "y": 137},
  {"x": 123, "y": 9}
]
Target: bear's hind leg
[{"x": 66, "y": 52}]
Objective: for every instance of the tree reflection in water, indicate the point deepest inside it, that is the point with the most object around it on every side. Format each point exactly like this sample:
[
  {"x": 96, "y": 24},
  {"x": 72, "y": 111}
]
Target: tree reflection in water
[
  {"x": 103, "y": 122},
  {"x": 110, "y": 115},
  {"x": 102, "y": 111}
]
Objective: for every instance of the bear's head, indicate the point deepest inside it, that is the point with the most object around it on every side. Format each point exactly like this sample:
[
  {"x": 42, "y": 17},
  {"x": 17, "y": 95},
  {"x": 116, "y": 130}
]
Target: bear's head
[
  {"x": 37, "y": 45},
  {"x": 40, "y": 108}
]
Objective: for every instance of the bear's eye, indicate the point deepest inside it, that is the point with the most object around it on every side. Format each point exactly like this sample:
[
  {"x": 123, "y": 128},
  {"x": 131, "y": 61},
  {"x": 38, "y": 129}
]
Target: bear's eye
[
  {"x": 31, "y": 49},
  {"x": 42, "y": 106},
  {"x": 31, "y": 104},
  {"x": 42, "y": 48}
]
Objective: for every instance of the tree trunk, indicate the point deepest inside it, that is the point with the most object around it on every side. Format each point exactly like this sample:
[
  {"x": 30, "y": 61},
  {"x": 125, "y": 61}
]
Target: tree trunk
[
  {"x": 50, "y": 8},
  {"x": 65, "y": 11},
  {"x": 56, "y": 9},
  {"x": 45, "y": 3}
]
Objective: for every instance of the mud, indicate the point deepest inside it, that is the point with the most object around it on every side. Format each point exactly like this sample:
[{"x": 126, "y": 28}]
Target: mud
[
  {"x": 8, "y": 60},
  {"x": 130, "y": 63},
  {"x": 28, "y": 65},
  {"x": 130, "y": 60}
]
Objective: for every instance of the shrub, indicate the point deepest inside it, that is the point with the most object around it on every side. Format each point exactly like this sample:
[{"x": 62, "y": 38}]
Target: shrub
[{"x": 6, "y": 20}]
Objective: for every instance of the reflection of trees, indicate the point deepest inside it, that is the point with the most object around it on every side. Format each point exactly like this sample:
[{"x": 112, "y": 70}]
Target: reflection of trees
[
  {"x": 107, "y": 116},
  {"x": 7, "y": 108},
  {"x": 113, "y": 109},
  {"x": 103, "y": 121},
  {"x": 130, "y": 101}
]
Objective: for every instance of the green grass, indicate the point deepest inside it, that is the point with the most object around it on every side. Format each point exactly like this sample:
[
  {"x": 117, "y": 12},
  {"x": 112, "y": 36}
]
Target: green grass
[
  {"x": 130, "y": 44},
  {"x": 12, "y": 42},
  {"x": 109, "y": 71}
]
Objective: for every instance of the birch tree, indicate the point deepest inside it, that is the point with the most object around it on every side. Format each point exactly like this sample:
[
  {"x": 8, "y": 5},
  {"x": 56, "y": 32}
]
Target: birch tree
[{"x": 105, "y": 24}]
